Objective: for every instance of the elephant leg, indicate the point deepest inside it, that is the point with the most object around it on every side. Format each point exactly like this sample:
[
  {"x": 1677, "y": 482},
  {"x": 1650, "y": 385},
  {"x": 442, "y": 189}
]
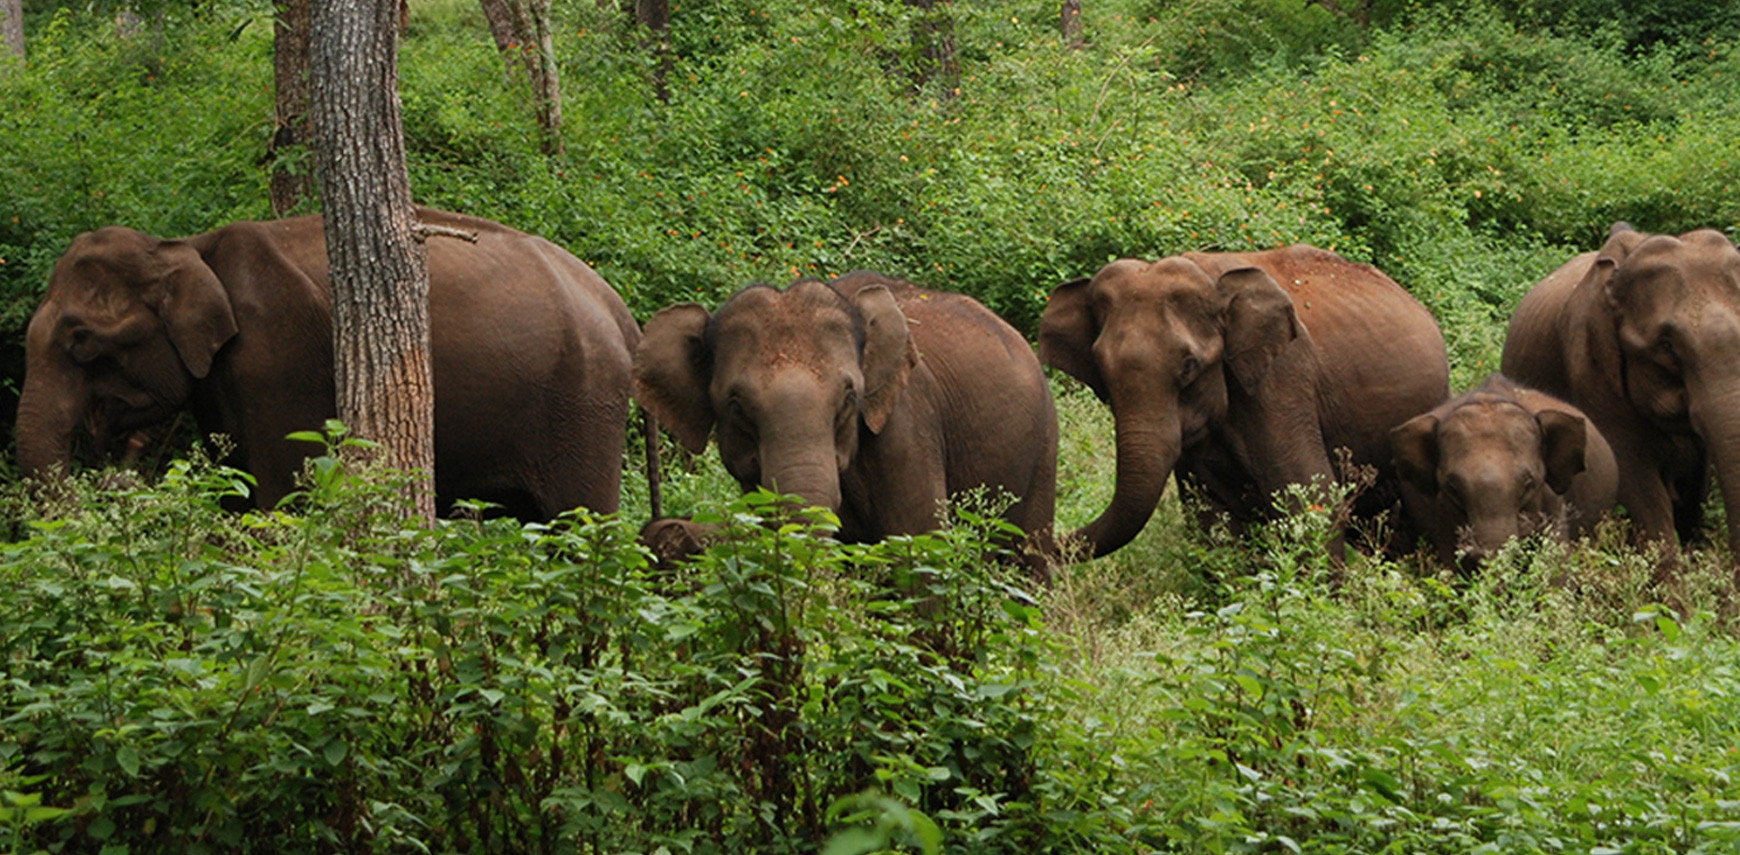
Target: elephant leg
[{"x": 1689, "y": 491}]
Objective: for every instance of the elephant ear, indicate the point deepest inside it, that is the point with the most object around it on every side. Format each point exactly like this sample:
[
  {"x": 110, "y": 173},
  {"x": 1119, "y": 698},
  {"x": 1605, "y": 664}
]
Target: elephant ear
[
  {"x": 1621, "y": 240},
  {"x": 1414, "y": 449},
  {"x": 672, "y": 370},
  {"x": 193, "y": 305},
  {"x": 1564, "y": 439},
  {"x": 889, "y": 354},
  {"x": 1260, "y": 322},
  {"x": 1067, "y": 332}
]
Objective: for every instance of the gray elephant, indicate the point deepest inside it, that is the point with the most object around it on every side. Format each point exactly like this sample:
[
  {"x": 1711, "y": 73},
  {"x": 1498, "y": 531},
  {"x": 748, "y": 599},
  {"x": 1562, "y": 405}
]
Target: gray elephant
[
  {"x": 1500, "y": 462},
  {"x": 1644, "y": 337},
  {"x": 531, "y": 354},
  {"x": 867, "y": 395},
  {"x": 1245, "y": 371}
]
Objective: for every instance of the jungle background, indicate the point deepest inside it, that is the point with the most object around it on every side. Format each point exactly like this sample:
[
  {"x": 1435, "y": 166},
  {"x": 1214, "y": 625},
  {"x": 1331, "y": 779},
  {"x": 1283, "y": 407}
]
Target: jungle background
[{"x": 173, "y": 678}]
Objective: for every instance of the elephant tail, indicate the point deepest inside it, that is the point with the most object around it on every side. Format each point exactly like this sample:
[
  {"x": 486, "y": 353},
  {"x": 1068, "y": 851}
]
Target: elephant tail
[{"x": 654, "y": 491}]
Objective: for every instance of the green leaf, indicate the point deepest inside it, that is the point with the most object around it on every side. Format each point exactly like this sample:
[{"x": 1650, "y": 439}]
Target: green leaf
[
  {"x": 128, "y": 759},
  {"x": 334, "y": 751}
]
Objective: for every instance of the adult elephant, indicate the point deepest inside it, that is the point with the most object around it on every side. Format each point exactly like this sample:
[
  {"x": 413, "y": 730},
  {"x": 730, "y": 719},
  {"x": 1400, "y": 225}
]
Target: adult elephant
[
  {"x": 867, "y": 395},
  {"x": 531, "y": 354},
  {"x": 1244, "y": 371},
  {"x": 1644, "y": 337}
]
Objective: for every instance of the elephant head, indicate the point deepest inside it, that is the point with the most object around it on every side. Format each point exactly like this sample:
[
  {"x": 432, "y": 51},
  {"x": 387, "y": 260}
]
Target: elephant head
[
  {"x": 1672, "y": 325},
  {"x": 1495, "y": 468},
  {"x": 785, "y": 380},
  {"x": 129, "y": 324},
  {"x": 1161, "y": 343}
]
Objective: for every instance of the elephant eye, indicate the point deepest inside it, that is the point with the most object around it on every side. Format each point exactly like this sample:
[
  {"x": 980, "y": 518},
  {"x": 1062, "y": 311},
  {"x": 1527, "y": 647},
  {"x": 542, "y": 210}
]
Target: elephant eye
[
  {"x": 1189, "y": 369},
  {"x": 1665, "y": 347},
  {"x": 1529, "y": 483},
  {"x": 82, "y": 347}
]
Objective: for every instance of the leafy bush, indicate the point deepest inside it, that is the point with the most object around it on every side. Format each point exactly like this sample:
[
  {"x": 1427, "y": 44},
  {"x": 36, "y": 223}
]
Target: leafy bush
[{"x": 176, "y": 677}]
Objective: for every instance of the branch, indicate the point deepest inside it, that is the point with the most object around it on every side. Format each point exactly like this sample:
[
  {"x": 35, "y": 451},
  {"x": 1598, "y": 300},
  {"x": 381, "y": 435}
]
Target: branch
[{"x": 423, "y": 232}]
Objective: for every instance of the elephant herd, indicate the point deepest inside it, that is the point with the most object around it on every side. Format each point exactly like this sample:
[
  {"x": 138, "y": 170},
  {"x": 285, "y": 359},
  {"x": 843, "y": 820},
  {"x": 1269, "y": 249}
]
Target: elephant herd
[{"x": 1239, "y": 373}]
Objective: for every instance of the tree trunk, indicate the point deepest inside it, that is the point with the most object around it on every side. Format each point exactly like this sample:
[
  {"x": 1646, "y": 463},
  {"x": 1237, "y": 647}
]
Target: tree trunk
[
  {"x": 1069, "y": 22},
  {"x": 12, "y": 28},
  {"x": 379, "y": 267},
  {"x": 655, "y": 15},
  {"x": 521, "y": 29},
  {"x": 933, "y": 40},
  {"x": 287, "y": 151}
]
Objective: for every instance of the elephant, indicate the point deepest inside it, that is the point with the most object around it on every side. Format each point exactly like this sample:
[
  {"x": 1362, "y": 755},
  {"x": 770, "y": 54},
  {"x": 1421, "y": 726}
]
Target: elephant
[
  {"x": 1499, "y": 462},
  {"x": 531, "y": 352},
  {"x": 1644, "y": 336},
  {"x": 1244, "y": 371},
  {"x": 866, "y": 394}
]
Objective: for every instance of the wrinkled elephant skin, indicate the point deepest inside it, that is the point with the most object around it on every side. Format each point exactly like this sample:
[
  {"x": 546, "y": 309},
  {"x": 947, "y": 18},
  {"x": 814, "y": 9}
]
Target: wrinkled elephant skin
[
  {"x": 531, "y": 353},
  {"x": 1244, "y": 372},
  {"x": 1500, "y": 462}
]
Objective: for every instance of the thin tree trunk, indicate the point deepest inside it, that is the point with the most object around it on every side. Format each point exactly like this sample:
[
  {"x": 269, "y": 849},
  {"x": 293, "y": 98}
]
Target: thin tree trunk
[
  {"x": 380, "y": 272},
  {"x": 12, "y": 28},
  {"x": 521, "y": 29},
  {"x": 933, "y": 36},
  {"x": 655, "y": 15},
  {"x": 286, "y": 152},
  {"x": 1069, "y": 21}
]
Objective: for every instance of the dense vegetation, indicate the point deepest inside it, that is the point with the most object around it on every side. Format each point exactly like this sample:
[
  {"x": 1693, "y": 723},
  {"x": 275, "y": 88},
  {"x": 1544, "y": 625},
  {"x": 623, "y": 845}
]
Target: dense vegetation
[{"x": 176, "y": 678}]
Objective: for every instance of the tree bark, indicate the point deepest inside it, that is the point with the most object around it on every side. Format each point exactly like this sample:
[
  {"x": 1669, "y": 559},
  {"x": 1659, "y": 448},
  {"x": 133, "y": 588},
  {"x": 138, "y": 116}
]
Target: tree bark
[
  {"x": 379, "y": 266},
  {"x": 12, "y": 28},
  {"x": 933, "y": 38},
  {"x": 521, "y": 29},
  {"x": 655, "y": 16},
  {"x": 286, "y": 152},
  {"x": 1069, "y": 23}
]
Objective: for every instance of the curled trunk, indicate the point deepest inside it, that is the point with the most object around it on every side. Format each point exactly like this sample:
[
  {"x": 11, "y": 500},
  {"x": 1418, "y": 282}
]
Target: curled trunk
[{"x": 1149, "y": 444}]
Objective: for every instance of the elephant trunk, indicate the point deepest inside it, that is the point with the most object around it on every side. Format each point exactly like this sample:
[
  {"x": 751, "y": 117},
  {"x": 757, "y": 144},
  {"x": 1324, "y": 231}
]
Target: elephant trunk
[
  {"x": 48, "y": 415},
  {"x": 1150, "y": 441},
  {"x": 801, "y": 459},
  {"x": 1719, "y": 424}
]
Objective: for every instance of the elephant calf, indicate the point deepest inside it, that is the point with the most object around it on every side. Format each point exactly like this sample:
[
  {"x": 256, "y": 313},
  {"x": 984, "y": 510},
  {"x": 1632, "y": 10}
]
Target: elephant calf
[
  {"x": 867, "y": 395},
  {"x": 531, "y": 353},
  {"x": 1499, "y": 462}
]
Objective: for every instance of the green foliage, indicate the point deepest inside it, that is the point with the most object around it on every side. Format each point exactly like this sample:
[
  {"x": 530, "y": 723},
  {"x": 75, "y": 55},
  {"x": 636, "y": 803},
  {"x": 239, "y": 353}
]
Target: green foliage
[{"x": 176, "y": 677}]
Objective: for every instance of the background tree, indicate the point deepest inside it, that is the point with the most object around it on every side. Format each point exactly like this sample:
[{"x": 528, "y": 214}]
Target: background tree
[
  {"x": 380, "y": 268},
  {"x": 933, "y": 43},
  {"x": 12, "y": 27},
  {"x": 1069, "y": 23},
  {"x": 655, "y": 16},
  {"x": 292, "y": 181},
  {"x": 521, "y": 29}
]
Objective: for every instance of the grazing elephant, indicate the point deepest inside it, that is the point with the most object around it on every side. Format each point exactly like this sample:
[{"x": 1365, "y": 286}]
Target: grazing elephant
[
  {"x": 531, "y": 354},
  {"x": 1499, "y": 462},
  {"x": 1244, "y": 371},
  {"x": 867, "y": 395},
  {"x": 1644, "y": 336}
]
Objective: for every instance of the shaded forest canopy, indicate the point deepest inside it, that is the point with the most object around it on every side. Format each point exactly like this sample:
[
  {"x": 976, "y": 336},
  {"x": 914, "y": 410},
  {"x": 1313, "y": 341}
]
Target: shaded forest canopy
[{"x": 1464, "y": 147}]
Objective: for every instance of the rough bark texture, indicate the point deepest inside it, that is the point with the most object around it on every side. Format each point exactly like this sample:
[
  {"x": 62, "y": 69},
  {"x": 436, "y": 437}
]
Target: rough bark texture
[
  {"x": 12, "y": 28},
  {"x": 286, "y": 152},
  {"x": 380, "y": 269},
  {"x": 521, "y": 29},
  {"x": 1069, "y": 23}
]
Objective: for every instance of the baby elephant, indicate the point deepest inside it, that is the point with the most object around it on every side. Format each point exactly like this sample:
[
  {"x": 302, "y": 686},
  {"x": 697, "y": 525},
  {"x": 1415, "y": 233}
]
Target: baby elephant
[
  {"x": 1498, "y": 462},
  {"x": 867, "y": 395}
]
